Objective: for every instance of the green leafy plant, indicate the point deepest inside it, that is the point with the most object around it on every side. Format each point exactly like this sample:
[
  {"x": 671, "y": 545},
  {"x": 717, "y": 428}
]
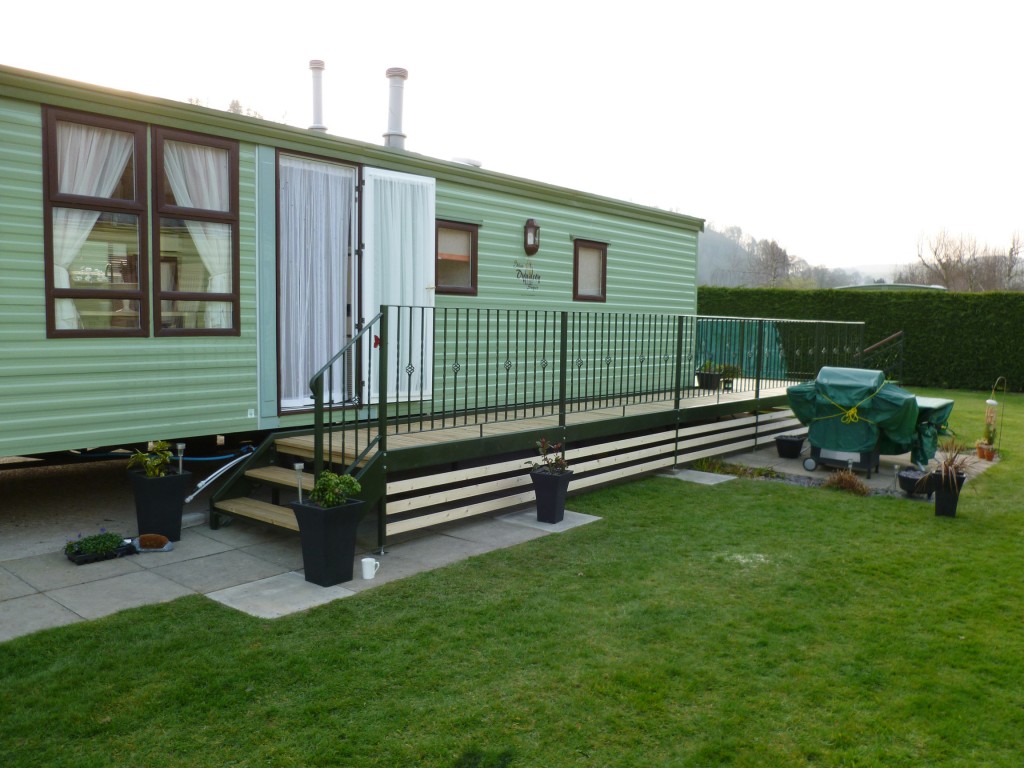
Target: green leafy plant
[
  {"x": 552, "y": 458},
  {"x": 333, "y": 490},
  {"x": 102, "y": 543},
  {"x": 730, "y": 371},
  {"x": 154, "y": 463},
  {"x": 710, "y": 366}
]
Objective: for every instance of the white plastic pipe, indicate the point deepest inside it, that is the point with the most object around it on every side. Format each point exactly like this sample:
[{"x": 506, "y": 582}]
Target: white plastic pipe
[
  {"x": 316, "y": 66},
  {"x": 394, "y": 137}
]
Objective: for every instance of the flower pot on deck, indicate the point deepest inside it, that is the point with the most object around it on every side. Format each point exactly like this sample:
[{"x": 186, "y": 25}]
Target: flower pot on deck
[{"x": 708, "y": 380}]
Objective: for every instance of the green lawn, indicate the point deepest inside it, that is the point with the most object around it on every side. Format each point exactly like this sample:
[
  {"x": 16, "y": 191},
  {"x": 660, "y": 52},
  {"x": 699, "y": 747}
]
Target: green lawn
[{"x": 752, "y": 623}]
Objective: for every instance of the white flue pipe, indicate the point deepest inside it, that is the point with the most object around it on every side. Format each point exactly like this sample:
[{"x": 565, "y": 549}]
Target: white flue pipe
[
  {"x": 316, "y": 66},
  {"x": 394, "y": 137}
]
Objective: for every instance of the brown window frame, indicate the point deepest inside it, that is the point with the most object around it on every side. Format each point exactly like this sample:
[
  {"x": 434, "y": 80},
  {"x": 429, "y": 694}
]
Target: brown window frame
[
  {"x": 163, "y": 208},
  {"x": 54, "y": 198},
  {"x": 603, "y": 248},
  {"x": 474, "y": 234}
]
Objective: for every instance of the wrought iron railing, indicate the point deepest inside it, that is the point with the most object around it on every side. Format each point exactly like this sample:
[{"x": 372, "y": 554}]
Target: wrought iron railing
[
  {"x": 886, "y": 356},
  {"x": 419, "y": 368}
]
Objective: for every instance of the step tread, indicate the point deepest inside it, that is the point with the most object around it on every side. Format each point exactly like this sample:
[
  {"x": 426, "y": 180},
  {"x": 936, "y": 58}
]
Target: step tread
[
  {"x": 260, "y": 510},
  {"x": 281, "y": 476}
]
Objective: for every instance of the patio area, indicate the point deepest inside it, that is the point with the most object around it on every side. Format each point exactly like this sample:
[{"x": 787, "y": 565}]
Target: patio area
[{"x": 249, "y": 566}]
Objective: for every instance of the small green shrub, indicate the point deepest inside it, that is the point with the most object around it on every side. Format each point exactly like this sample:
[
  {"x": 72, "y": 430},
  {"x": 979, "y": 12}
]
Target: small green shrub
[
  {"x": 333, "y": 490},
  {"x": 154, "y": 463}
]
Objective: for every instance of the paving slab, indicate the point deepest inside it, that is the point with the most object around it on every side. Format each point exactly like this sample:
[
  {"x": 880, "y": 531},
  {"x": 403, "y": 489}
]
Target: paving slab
[
  {"x": 25, "y": 615},
  {"x": 287, "y": 552},
  {"x": 701, "y": 478},
  {"x": 193, "y": 544},
  {"x": 242, "y": 533},
  {"x": 219, "y": 571},
  {"x": 53, "y": 570},
  {"x": 101, "y": 598},
  {"x": 496, "y": 533},
  {"x": 528, "y": 518},
  {"x": 11, "y": 586},
  {"x": 278, "y": 596}
]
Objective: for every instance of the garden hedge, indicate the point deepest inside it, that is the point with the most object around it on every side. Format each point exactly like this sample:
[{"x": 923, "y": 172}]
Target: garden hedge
[{"x": 951, "y": 340}]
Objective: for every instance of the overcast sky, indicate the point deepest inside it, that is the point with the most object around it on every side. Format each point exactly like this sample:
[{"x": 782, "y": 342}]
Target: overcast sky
[{"x": 845, "y": 131}]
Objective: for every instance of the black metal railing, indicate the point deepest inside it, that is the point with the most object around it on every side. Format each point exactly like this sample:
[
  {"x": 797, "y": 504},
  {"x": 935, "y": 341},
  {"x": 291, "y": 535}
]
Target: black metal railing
[
  {"x": 886, "y": 356},
  {"x": 418, "y": 368}
]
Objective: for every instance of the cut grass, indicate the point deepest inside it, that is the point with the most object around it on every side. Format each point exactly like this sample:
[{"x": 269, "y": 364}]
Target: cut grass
[{"x": 742, "y": 624}]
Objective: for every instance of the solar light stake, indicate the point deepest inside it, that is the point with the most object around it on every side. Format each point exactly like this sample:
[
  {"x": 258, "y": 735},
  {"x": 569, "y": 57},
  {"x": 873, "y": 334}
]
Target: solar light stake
[
  {"x": 299, "y": 466},
  {"x": 181, "y": 457}
]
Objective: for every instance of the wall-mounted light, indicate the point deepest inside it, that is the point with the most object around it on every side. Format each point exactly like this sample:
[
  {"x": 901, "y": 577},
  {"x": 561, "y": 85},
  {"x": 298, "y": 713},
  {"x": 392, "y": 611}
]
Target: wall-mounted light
[{"x": 531, "y": 237}]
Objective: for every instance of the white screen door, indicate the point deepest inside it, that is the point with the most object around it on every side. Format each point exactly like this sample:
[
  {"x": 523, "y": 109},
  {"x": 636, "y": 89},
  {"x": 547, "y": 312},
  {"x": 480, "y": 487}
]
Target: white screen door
[
  {"x": 398, "y": 269},
  {"x": 316, "y": 209}
]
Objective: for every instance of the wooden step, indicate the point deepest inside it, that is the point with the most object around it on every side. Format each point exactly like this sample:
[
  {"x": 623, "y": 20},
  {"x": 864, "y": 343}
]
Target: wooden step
[
  {"x": 280, "y": 476},
  {"x": 282, "y": 517},
  {"x": 303, "y": 446}
]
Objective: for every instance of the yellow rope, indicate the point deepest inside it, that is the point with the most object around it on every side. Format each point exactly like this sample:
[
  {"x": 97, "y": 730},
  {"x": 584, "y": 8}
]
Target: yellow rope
[{"x": 849, "y": 416}]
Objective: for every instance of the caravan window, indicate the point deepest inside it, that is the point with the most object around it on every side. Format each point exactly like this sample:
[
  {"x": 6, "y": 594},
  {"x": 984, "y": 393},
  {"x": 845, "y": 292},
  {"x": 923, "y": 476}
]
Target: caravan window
[
  {"x": 590, "y": 261},
  {"x": 95, "y": 231},
  {"x": 97, "y": 223},
  {"x": 196, "y": 285},
  {"x": 456, "y": 256}
]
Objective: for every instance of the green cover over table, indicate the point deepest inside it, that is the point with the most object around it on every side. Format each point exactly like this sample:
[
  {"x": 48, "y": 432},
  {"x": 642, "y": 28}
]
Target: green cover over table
[{"x": 857, "y": 410}]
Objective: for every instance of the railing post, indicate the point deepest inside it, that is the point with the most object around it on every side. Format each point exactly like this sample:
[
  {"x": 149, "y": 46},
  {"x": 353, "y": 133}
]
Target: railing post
[
  {"x": 679, "y": 361},
  {"x": 382, "y": 384},
  {"x": 759, "y": 357},
  {"x": 563, "y": 364},
  {"x": 318, "y": 425}
]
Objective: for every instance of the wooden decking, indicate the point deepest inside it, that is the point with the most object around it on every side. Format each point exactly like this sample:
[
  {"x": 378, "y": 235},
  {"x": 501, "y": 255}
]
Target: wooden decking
[{"x": 474, "y": 426}]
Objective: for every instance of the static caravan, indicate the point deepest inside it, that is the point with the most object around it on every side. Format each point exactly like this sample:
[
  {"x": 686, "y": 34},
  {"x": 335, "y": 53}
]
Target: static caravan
[{"x": 172, "y": 271}]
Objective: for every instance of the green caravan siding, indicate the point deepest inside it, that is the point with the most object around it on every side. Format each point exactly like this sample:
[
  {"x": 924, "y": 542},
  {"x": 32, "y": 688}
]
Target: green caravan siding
[
  {"x": 623, "y": 344},
  {"x": 651, "y": 263},
  {"x": 57, "y": 394}
]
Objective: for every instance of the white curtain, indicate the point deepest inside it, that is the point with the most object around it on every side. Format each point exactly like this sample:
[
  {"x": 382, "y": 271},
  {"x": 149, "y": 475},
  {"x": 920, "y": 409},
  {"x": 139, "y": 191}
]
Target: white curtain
[
  {"x": 90, "y": 161},
  {"x": 198, "y": 176},
  {"x": 398, "y": 268},
  {"x": 316, "y": 212}
]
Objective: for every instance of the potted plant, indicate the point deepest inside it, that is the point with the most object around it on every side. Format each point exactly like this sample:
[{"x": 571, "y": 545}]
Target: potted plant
[
  {"x": 789, "y": 446},
  {"x": 950, "y": 475},
  {"x": 159, "y": 491},
  {"x": 328, "y": 523},
  {"x": 709, "y": 375},
  {"x": 729, "y": 374},
  {"x": 551, "y": 476},
  {"x": 913, "y": 481},
  {"x": 100, "y": 546}
]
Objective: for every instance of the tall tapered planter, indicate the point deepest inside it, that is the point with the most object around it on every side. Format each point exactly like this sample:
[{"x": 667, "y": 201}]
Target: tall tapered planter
[
  {"x": 159, "y": 502},
  {"x": 328, "y": 536},
  {"x": 947, "y": 492},
  {"x": 550, "y": 490}
]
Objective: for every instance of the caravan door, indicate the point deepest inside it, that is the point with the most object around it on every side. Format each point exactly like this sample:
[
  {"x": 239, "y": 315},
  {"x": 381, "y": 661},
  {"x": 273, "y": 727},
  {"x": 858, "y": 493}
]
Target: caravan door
[
  {"x": 316, "y": 281},
  {"x": 398, "y": 271}
]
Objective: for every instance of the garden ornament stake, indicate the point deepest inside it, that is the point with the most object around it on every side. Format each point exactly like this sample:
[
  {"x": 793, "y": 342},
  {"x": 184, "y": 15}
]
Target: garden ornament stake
[{"x": 991, "y": 433}]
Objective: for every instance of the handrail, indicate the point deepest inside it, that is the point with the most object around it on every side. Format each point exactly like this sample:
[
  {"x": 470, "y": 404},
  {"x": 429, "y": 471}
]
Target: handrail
[
  {"x": 316, "y": 384},
  {"x": 882, "y": 343}
]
